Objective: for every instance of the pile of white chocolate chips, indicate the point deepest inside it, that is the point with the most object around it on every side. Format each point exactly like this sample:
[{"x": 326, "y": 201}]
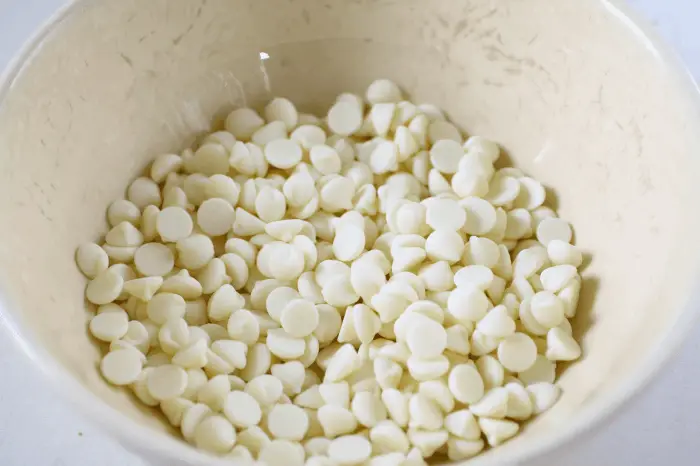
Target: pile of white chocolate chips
[{"x": 360, "y": 289}]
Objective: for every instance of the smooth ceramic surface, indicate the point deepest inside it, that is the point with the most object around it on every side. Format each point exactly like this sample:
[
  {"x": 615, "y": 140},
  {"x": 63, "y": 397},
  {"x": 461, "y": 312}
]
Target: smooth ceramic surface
[{"x": 585, "y": 106}]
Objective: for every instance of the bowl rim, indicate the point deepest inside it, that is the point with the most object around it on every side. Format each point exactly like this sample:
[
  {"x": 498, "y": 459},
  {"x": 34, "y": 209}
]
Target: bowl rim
[{"x": 144, "y": 440}]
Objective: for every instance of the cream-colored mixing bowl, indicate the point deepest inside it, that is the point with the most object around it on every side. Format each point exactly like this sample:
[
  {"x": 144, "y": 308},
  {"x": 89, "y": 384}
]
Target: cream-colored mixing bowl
[{"x": 578, "y": 96}]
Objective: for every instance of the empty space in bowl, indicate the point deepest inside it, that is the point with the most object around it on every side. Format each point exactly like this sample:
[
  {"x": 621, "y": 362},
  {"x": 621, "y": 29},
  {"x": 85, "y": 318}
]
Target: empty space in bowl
[{"x": 577, "y": 100}]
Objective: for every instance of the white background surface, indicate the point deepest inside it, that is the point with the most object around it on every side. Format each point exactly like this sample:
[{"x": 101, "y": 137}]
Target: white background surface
[{"x": 659, "y": 427}]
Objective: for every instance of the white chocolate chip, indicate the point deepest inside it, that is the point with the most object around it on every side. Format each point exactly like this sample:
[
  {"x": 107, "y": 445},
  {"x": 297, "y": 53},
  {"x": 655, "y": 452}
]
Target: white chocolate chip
[
  {"x": 498, "y": 431},
  {"x": 288, "y": 422},
  {"x": 551, "y": 229},
  {"x": 282, "y": 109},
  {"x": 445, "y": 155},
  {"x": 543, "y": 396},
  {"x": 561, "y": 346},
  {"x": 282, "y": 453},
  {"x": 349, "y": 450},
  {"x": 283, "y": 153},
  {"x": 242, "y": 409},
  {"x": 466, "y": 384},
  {"x": 123, "y": 211},
  {"x": 122, "y": 367},
  {"x": 105, "y": 287},
  {"x": 167, "y": 381},
  {"x": 215, "y": 434},
  {"x": 517, "y": 352},
  {"x": 445, "y": 214}
]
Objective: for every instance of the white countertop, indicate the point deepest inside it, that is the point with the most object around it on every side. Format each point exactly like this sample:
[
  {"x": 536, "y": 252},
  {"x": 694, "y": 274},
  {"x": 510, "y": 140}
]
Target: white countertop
[{"x": 658, "y": 427}]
